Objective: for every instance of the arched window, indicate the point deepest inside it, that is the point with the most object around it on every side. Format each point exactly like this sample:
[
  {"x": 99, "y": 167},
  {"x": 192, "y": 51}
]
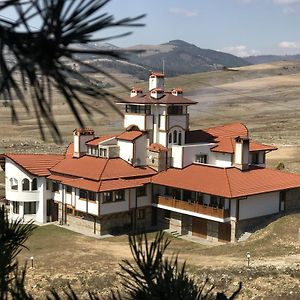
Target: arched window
[
  {"x": 25, "y": 184},
  {"x": 13, "y": 184},
  {"x": 170, "y": 138},
  {"x": 179, "y": 138},
  {"x": 175, "y": 137},
  {"x": 34, "y": 184}
]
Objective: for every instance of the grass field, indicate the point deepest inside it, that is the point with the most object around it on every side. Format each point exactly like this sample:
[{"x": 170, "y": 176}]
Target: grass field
[{"x": 62, "y": 256}]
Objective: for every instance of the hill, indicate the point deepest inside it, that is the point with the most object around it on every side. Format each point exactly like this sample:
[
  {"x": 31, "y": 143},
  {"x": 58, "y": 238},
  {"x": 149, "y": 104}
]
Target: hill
[
  {"x": 179, "y": 57},
  {"x": 261, "y": 59}
]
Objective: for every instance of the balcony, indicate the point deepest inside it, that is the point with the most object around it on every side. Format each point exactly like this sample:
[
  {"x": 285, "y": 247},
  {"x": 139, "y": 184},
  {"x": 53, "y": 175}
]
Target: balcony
[{"x": 193, "y": 207}]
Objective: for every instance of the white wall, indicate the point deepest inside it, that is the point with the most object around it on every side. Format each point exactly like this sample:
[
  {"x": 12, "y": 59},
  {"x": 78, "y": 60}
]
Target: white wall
[
  {"x": 177, "y": 120},
  {"x": 259, "y": 205},
  {"x": 126, "y": 150},
  {"x": 162, "y": 138},
  {"x": 223, "y": 160},
  {"x": 140, "y": 149},
  {"x": 138, "y": 120}
]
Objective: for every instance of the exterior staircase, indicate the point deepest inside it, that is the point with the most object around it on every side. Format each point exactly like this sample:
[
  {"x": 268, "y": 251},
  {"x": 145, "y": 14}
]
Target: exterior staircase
[{"x": 175, "y": 233}]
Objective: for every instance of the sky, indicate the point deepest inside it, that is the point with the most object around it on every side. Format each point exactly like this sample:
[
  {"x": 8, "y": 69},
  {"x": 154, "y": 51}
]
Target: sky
[{"x": 239, "y": 27}]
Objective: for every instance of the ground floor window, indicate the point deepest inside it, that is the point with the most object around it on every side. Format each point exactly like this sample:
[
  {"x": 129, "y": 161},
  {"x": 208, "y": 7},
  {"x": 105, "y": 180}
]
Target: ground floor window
[
  {"x": 16, "y": 207},
  {"x": 29, "y": 208}
]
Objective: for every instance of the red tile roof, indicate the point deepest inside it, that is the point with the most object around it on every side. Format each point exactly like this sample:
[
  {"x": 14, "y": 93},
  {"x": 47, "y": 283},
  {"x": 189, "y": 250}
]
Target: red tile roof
[
  {"x": 254, "y": 146},
  {"x": 96, "y": 168},
  {"x": 227, "y": 182},
  {"x": 155, "y": 147},
  {"x": 130, "y": 135},
  {"x": 100, "y": 139},
  {"x": 158, "y": 74},
  {"x": 36, "y": 164},
  {"x": 212, "y": 134},
  {"x": 166, "y": 98}
]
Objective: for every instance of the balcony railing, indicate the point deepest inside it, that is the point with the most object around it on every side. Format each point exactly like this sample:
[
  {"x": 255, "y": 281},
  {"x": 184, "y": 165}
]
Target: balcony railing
[{"x": 192, "y": 207}]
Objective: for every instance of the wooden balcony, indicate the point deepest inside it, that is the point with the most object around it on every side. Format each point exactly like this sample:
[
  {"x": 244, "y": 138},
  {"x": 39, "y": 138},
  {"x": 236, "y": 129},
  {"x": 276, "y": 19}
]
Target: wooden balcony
[{"x": 193, "y": 207}]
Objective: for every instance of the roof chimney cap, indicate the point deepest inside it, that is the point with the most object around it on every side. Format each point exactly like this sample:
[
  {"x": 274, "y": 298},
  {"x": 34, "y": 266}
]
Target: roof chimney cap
[{"x": 83, "y": 131}]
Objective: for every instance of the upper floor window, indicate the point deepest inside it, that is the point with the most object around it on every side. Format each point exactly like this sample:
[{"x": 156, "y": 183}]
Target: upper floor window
[
  {"x": 138, "y": 109},
  {"x": 175, "y": 110},
  {"x": 82, "y": 194},
  {"x": 103, "y": 152},
  {"x": 94, "y": 151},
  {"x": 120, "y": 195},
  {"x": 91, "y": 196},
  {"x": 48, "y": 185},
  {"x": 170, "y": 138},
  {"x": 34, "y": 184},
  {"x": 68, "y": 189},
  {"x": 107, "y": 197},
  {"x": 141, "y": 191},
  {"x": 175, "y": 137},
  {"x": 179, "y": 138},
  {"x": 201, "y": 158},
  {"x": 13, "y": 184},
  {"x": 255, "y": 158},
  {"x": 25, "y": 185},
  {"x": 55, "y": 187}
]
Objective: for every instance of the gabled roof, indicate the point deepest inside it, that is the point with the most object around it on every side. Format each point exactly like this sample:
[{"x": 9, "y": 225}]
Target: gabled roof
[
  {"x": 100, "y": 139},
  {"x": 36, "y": 164},
  {"x": 166, "y": 98},
  {"x": 130, "y": 135},
  {"x": 155, "y": 147},
  {"x": 227, "y": 182},
  {"x": 227, "y": 145},
  {"x": 96, "y": 168},
  {"x": 212, "y": 134}
]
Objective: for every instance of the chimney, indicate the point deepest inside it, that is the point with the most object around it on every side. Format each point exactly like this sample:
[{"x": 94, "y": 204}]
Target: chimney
[
  {"x": 177, "y": 92},
  {"x": 80, "y": 137},
  {"x": 156, "y": 81},
  {"x": 136, "y": 92},
  {"x": 241, "y": 153}
]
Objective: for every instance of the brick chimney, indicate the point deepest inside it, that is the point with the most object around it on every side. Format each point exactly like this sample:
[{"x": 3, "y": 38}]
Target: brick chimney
[
  {"x": 80, "y": 137},
  {"x": 241, "y": 153}
]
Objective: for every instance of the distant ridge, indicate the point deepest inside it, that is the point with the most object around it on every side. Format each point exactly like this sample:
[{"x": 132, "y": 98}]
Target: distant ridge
[
  {"x": 179, "y": 57},
  {"x": 261, "y": 59}
]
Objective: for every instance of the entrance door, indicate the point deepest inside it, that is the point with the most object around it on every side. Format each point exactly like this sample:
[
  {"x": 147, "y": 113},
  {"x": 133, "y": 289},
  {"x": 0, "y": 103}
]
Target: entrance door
[
  {"x": 212, "y": 231},
  {"x": 52, "y": 211},
  {"x": 199, "y": 227}
]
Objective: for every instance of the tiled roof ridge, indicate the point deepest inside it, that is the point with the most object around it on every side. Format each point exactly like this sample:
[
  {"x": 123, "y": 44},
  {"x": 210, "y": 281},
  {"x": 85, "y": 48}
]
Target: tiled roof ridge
[
  {"x": 226, "y": 125},
  {"x": 228, "y": 182}
]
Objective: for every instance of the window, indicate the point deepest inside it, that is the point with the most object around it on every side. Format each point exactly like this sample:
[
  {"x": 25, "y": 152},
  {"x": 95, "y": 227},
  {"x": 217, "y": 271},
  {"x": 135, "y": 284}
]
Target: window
[
  {"x": 34, "y": 184},
  {"x": 255, "y": 158},
  {"x": 216, "y": 201},
  {"x": 29, "y": 208},
  {"x": 170, "y": 138},
  {"x": 141, "y": 191},
  {"x": 141, "y": 214},
  {"x": 175, "y": 137},
  {"x": 48, "y": 185},
  {"x": 92, "y": 196},
  {"x": 94, "y": 151},
  {"x": 15, "y": 207},
  {"x": 107, "y": 197},
  {"x": 138, "y": 109},
  {"x": 201, "y": 158},
  {"x": 68, "y": 189},
  {"x": 25, "y": 184},
  {"x": 103, "y": 152},
  {"x": 82, "y": 194},
  {"x": 175, "y": 110},
  {"x": 14, "y": 184},
  {"x": 55, "y": 187},
  {"x": 120, "y": 195},
  {"x": 179, "y": 138}
]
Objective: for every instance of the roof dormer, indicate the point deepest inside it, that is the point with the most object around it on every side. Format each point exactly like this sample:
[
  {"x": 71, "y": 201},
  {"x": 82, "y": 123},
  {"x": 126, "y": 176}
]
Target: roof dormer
[
  {"x": 157, "y": 93},
  {"x": 156, "y": 80},
  {"x": 136, "y": 92},
  {"x": 177, "y": 92}
]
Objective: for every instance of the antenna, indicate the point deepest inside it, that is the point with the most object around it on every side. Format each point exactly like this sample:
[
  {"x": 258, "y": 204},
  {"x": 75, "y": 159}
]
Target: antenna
[{"x": 163, "y": 70}]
